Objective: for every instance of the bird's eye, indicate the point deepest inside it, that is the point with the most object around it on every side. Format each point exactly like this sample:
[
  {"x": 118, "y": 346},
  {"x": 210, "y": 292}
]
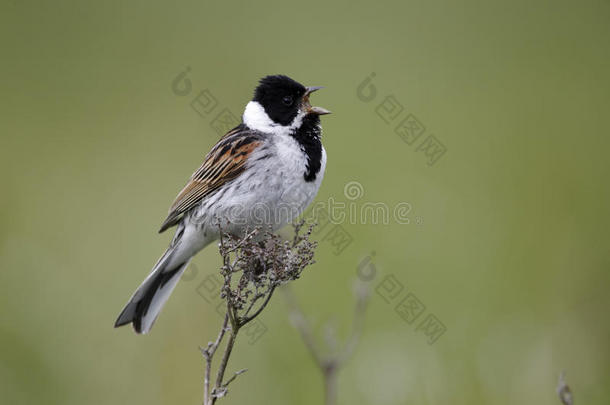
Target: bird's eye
[{"x": 287, "y": 100}]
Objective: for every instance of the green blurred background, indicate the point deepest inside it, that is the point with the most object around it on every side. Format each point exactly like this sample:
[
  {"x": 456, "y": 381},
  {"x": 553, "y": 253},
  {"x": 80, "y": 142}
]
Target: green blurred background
[{"x": 507, "y": 243}]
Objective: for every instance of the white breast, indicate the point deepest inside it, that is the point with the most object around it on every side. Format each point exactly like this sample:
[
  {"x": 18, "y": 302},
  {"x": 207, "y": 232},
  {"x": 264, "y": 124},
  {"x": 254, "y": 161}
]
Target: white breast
[{"x": 271, "y": 191}]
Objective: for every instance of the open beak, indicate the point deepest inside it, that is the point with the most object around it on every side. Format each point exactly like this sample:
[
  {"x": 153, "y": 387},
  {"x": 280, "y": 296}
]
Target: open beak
[{"x": 308, "y": 106}]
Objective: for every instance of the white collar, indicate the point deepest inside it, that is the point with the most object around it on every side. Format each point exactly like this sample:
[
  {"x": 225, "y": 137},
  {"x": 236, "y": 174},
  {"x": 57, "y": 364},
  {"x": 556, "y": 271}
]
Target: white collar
[{"x": 256, "y": 118}]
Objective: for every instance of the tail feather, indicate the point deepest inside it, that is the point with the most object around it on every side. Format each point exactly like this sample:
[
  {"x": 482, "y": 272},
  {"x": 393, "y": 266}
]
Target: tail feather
[{"x": 148, "y": 300}]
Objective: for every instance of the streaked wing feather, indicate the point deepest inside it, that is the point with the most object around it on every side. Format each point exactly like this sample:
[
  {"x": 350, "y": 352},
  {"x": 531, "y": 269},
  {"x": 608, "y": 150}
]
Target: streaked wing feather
[{"x": 224, "y": 163}]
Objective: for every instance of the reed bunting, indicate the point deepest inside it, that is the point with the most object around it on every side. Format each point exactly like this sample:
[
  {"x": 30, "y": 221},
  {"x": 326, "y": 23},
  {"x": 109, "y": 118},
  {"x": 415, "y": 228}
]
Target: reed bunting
[{"x": 265, "y": 171}]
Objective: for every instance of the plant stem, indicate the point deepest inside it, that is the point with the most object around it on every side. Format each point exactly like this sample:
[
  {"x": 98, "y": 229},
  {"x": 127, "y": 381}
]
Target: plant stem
[
  {"x": 208, "y": 353},
  {"x": 330, "y": 385},
  {"x": 223, "y": 364}
]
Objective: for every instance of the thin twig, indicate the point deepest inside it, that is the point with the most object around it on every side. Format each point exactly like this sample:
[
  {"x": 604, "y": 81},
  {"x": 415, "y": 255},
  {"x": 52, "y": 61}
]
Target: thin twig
[
  {"x": 237, "y": 373},
  {"x": 257, "y": 297},
  {"x": 330, "y": 364},
  {"x": 357, "y": 325},
  {"x": 248, "y": 257},
  {"x": 208, "y": 354},
  {"x": 564, "y": 392},
  {"x": 330, "y": 386},
  {"x": 303, "y": 327},
  {"x": 258, "y": 311},
  {"x": 219, "y": 389}
]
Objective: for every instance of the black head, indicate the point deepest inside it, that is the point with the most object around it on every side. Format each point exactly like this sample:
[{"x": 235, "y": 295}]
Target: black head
[
  {"x": 280, "y": 96},
  {"x": 283, "y": 98}
]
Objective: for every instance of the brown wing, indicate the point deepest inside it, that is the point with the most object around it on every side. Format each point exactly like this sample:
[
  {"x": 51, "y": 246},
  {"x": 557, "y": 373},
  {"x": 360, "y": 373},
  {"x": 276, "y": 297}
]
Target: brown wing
[{"x": 225, "y": 162}]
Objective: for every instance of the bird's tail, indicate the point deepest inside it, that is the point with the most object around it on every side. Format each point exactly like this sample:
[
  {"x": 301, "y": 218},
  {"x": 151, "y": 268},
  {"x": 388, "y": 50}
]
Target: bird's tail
[{"x": 148, "y": 300}]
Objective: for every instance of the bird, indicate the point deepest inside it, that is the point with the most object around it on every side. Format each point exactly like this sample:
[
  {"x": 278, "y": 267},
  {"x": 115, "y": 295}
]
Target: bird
[{"x": 263, "y": 172}]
